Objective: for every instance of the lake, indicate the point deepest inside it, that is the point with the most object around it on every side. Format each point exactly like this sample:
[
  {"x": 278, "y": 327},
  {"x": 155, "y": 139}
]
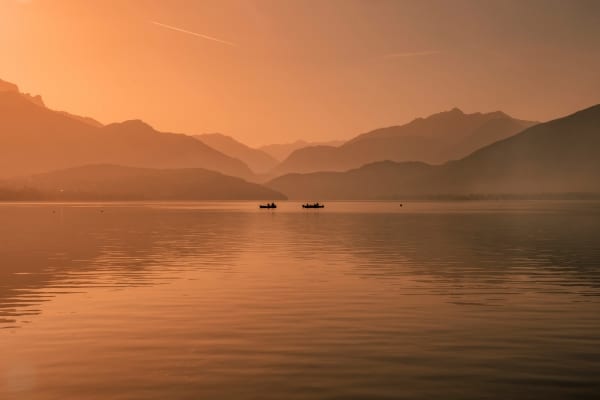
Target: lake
[{"x": 360, "y": 300}]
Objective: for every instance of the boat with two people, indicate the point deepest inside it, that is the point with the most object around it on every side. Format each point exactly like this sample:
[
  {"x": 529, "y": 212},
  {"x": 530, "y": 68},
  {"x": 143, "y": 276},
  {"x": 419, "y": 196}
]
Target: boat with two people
[
  {"x": 313, "y": 205},
  {"x": 268, "y": 205}
]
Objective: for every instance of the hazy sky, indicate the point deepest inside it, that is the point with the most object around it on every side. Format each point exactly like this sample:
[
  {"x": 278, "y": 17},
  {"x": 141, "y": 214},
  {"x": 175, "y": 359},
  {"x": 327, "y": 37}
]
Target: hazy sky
[{"x": 274, "y": 71}]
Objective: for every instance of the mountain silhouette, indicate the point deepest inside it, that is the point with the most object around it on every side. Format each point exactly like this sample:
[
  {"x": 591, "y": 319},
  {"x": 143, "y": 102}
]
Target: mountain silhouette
[
  {"x": 85, "y": 120},
  {"x": 8, "y": 87},
  {"x": 12, "y": 88},
  {"x": 436, "y": 139},
  {"x": 560, "y": 156},
  {"x": 282, "y": 150},
  {"x": 112, "y": 182},
  {"x": 36, "y": 139},
  {"x": 258, "y": 160}
]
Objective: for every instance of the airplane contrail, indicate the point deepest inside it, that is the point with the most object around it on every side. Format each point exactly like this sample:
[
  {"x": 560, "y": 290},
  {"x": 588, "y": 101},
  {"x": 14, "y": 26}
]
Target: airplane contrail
[
  {"x": 174, "y": 28},
  {"x": 412, "y": 54}
]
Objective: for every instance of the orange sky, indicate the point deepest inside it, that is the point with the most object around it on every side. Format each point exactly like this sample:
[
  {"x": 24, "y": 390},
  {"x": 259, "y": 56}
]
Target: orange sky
[{"x": 279, "y": 70}]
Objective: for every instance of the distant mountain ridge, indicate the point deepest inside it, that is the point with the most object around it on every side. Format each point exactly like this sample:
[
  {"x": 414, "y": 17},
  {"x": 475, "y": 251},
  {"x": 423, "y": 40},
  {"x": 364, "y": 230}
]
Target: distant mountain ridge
[
  {"x": 8, "y": 87},
  {"x": 436, "y": 139},
  {"x": 12, "y": 88},
  {"x": 258, "y": 160},
  {"x": 35, "y": 139},
  {"x": 560, "y": 156},
  {"x": 280, "y": 151},
  {"x": 114, "y": 183}
]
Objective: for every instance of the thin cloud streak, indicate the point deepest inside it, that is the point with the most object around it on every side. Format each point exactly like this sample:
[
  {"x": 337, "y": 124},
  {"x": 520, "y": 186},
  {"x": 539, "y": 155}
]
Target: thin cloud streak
[
  {"x": 174, "y": 28},
  {"x": 412, "y": 54}
]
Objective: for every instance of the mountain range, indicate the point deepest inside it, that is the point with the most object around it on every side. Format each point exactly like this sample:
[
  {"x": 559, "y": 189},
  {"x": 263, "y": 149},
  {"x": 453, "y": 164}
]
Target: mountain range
[
  {"x": 281, "y": 151},
  {"x": 449, "y": 154},
  {"x": 560, "y": 156},
  {"x": 436, "y": 139},
  {"x": 37, "y": 139},
  {"x": 259, "y": 161}
]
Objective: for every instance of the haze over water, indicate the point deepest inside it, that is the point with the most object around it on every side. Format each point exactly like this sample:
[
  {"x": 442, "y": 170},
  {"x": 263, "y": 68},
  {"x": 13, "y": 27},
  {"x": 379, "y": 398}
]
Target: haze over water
[{"x": 359, "y": 300}]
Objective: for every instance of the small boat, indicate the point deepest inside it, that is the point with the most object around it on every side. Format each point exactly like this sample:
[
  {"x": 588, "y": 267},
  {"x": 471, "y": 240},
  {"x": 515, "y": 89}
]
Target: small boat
[
  {"x": 313, "y": 205},
  {"x": 271, "y": 205}
]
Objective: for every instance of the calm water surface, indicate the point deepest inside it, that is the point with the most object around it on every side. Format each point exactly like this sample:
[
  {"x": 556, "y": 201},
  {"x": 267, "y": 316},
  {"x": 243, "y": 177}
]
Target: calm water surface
[{"x": 465, "y": 300}]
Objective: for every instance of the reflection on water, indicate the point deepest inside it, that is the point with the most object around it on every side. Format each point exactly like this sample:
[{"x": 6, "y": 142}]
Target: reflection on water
[{"x": 356, "y": 301}]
